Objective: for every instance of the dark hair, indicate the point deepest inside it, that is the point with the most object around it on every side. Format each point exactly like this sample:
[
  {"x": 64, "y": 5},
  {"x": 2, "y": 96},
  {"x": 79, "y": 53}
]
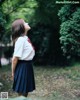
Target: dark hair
[{"x": 18, "y": 28}]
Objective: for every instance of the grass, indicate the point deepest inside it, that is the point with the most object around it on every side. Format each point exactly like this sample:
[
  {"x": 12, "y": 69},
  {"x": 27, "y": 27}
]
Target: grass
[{"x": 52, "y": 83}]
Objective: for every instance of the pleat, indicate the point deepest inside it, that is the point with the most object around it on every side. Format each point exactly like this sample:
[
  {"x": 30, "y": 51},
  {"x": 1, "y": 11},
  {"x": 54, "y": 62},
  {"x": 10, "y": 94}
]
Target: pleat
[
  {"x": 19, "y": 79},
  {"x": 30, "y": 78},
  {"x": 23, "y": 83},
  {"x": 17, "y": 70},
  {"x": 16, "y": 75}
]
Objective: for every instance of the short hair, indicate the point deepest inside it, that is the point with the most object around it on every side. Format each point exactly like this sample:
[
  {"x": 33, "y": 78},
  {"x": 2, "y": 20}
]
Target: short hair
[{"x": 18, "y": 28}]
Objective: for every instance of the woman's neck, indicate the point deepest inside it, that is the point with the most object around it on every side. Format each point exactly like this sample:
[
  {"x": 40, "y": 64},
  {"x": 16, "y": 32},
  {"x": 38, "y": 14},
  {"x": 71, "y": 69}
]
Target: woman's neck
[{"x": 25, "y": 33}]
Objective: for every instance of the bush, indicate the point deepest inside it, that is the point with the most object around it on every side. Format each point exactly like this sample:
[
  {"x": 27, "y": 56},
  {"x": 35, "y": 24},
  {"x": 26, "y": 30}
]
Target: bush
[{"x": 70, "y": 30}]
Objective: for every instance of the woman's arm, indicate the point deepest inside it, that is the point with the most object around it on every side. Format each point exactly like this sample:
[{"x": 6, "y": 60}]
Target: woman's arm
[
  {"x": 18, "y": 50},
  {"x": 14, "y": 63}
]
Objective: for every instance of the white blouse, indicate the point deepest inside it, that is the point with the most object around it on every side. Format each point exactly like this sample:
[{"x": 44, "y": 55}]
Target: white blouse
[{"x": 23, "y": 49}]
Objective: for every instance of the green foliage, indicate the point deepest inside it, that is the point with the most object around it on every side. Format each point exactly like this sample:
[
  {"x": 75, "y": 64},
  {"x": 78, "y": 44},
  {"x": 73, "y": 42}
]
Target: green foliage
[
  {"x": 41, "y": 39},
  {"x": 12, "y": 10},
  {"x": 70, "y": 30},
  {"x": 45, "y": 25},
  {"x": 45, "y": 11},
  {"x": 2, "y": 22}
]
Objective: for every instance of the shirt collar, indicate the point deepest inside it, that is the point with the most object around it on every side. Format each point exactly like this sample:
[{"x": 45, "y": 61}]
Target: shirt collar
[{"x": 26, "y": 36}]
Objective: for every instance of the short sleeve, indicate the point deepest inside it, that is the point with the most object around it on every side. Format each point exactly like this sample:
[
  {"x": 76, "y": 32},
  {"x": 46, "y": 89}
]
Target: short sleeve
[{"x": 19, "y": 45}]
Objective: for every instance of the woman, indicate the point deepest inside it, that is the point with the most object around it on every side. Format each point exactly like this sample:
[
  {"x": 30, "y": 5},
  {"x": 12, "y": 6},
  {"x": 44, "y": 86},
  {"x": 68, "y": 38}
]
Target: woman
[{"x": 22, "y": 69}]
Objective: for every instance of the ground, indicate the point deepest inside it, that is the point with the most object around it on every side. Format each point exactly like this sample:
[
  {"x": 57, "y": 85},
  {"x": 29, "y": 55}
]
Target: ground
[{"x": 52, "y": 83}]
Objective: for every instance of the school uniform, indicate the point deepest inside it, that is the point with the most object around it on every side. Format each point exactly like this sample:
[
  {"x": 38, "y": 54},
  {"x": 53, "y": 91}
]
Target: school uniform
[{"x": 24, "y": 75}]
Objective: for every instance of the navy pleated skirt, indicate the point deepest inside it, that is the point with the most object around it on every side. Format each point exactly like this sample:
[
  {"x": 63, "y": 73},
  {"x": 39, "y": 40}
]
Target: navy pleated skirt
[{"x": 24, "y": 81}]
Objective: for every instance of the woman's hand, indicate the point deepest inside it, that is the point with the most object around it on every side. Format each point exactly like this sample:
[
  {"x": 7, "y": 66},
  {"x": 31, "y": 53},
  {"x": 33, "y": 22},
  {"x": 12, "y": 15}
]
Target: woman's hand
[{"x": 12, "y": 77}]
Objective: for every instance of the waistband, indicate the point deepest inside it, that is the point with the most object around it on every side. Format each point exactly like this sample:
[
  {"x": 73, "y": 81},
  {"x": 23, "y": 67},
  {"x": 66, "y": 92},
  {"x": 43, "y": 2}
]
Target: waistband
[{"x": 24, "y": 60}]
